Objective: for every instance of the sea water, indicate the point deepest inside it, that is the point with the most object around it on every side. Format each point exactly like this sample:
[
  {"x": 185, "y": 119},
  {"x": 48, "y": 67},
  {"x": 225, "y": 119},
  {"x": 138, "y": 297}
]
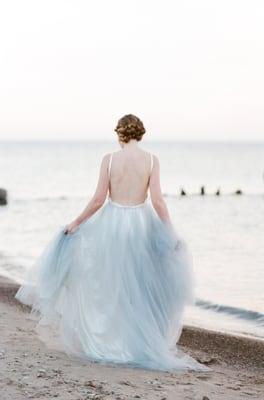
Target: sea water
[{"x": 50, "y": 183}]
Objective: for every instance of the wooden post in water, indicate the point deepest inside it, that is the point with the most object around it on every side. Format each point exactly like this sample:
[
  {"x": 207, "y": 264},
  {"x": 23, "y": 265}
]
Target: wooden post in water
[
  {"x": 183, "y": 193},
  {"x": 202, "y": 192},
  {"x": 3, "y": 197}
]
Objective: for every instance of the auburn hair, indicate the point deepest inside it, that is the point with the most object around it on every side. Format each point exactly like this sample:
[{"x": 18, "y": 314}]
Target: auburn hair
[{"x": 130, "y": 127}]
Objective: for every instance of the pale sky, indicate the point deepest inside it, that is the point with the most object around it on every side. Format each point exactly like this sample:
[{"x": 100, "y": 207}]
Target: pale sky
[{"x": 190, "y": 69}]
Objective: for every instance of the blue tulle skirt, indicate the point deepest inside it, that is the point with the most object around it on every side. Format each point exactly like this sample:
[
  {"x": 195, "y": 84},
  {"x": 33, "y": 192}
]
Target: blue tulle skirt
[{"x": 114, "y": 290}]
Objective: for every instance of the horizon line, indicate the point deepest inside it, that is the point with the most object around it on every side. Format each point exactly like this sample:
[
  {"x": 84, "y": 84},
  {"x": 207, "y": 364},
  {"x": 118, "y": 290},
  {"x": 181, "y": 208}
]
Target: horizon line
[{"x": 50, "y": 140}]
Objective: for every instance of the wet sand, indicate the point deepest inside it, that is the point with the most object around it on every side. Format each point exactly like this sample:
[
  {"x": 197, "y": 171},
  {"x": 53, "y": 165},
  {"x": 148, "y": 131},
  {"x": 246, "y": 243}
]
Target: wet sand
[{"x": 29, "y": 370}]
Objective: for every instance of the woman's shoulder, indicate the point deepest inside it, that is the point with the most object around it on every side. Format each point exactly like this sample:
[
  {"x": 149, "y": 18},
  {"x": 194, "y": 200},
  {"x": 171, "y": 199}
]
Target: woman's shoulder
[
  {"x": 108, "y": 155},
  {"x": 152, "y": 155},
  {"x": 148, "y": 153}
]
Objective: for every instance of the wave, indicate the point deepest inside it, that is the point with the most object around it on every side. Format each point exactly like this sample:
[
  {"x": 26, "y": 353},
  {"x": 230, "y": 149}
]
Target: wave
[{"x": 234, "y": 311}]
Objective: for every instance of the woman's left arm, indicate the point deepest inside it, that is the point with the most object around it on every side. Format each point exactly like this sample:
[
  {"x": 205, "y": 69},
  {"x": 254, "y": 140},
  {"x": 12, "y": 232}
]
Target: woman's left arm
[{"x": 98, "y": 198}]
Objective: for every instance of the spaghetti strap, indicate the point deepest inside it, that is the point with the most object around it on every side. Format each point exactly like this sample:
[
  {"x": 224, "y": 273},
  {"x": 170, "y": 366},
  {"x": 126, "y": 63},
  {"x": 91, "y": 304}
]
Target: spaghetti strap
[
  {"x": 151, "y": 162},
  {"x": 109, "y": 165}
]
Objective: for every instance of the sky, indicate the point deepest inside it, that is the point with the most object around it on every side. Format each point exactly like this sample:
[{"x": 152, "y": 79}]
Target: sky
[{"x": 191, "y": 70}]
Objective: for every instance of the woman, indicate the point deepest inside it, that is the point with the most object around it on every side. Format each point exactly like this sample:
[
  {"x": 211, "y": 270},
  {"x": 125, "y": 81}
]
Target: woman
[{"x": 112, "y": 285}]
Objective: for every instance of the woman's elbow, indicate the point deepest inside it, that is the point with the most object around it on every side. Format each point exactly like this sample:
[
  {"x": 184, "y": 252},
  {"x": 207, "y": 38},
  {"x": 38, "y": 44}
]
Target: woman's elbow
[
  {"x": 98, "y": 201},
  {"x": 158, "y": 204}
]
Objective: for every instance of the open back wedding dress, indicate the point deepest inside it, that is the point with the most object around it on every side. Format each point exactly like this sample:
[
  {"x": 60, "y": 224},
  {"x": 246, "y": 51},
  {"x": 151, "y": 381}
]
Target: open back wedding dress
[{"x": 115, "y": 290}]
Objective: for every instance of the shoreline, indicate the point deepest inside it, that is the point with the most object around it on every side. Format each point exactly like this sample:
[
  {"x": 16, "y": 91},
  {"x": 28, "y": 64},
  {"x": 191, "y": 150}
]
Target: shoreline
[
  {"x": 203, "y": 327},
  {"x": 237, "y": 365},
  {"x": 250, "y": 350}
]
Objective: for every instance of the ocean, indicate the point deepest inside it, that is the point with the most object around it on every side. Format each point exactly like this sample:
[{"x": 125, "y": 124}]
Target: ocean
[{"x": 50, "y": 183}]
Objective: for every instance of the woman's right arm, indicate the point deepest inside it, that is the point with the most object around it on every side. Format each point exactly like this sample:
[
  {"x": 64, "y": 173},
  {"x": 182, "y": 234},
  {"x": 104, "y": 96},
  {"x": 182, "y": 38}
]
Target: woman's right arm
[
  {"x": 156, "y": 194},
  {"x": 98, "y": 198}
]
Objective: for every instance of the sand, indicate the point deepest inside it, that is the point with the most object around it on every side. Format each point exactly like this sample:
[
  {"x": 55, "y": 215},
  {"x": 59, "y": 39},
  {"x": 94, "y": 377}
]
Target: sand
[{"x": 29, "y": 370}]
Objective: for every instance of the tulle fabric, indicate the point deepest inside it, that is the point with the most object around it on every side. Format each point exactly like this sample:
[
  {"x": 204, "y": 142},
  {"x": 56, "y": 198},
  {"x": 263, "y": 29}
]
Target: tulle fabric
[{"x": 114, "y": 290}]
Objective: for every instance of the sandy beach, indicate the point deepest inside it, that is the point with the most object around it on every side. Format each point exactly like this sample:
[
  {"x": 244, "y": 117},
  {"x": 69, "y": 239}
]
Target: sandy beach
[{"x": 29, "y": 370}]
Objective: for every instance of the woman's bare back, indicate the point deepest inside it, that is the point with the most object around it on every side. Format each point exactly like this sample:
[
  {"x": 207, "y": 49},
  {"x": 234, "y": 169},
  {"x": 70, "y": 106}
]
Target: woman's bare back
[{"x": 129, "y": 173}]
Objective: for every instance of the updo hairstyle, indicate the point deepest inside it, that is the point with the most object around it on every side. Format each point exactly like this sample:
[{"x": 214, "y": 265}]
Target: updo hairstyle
[{"x": 129, "y": 127}]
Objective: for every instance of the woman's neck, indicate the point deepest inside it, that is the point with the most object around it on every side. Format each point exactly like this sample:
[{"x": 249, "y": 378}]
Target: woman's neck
[{"x": 133, "y": 143}]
